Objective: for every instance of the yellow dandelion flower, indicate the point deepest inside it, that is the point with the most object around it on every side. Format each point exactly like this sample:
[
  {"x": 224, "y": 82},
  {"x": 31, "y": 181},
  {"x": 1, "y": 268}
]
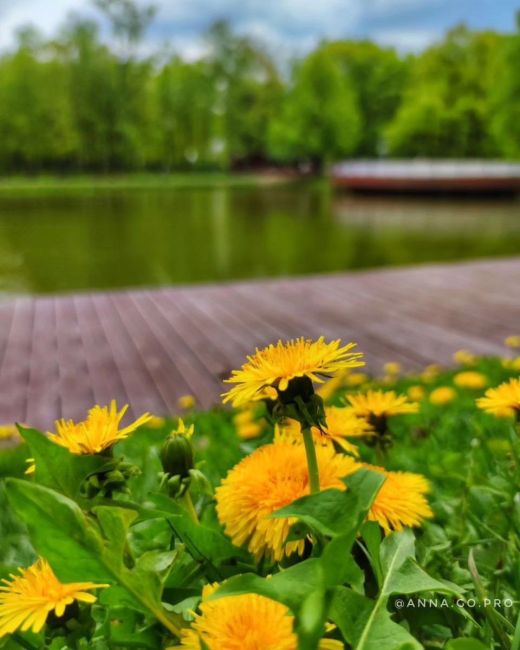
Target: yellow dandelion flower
[
  {"x": 379, "y": 403},
  {"x": 470, "y": 379},
  {"x": 186, "y": 402},
  {"x": 503, "y": 401},
  {"x": 464, "y": 358},
  {"x": 31, "y": 466},
  {"x": 510, "y": 364},
  {"x": 401, "y": 501},
  {"x": 155, "y": 422},
  {"x": 346, "y": 378},
  {"x": 416, "y": 393},
  {"x": 512, "y": 341},
  {"x": 442, "y": 395},
  {"x": 342, "y": 423},
  {"x": 27, "y": 599},
  {"x": 9, "y": 432},
  {"x": 356, "y": 379},
  {"x": 244, "y": 622},
  {"x": 276, "y": 365},
  {"x": 248, "y": 425},
  {"x": 332, "y": 386},
  {"x": 431, "y": 372},
  {"x": 182, "y": 430},
  {"x": 249, "y": 431},
  {"x": 330, "y": 644},
  {"x": 392, "y": 368},
  {"x": 270, "y": 478},
  {"x": 98, "y": 432}
]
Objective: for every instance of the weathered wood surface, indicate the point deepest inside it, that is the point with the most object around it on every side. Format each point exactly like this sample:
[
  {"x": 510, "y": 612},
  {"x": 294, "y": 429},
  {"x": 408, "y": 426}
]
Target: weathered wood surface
[
  {"x": 428, "y": 175},
  {"x": 61, "y": 354}
]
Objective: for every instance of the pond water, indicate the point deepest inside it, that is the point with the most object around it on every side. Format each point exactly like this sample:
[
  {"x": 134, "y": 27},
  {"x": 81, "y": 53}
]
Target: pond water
[{"x": 80, "y": 240}]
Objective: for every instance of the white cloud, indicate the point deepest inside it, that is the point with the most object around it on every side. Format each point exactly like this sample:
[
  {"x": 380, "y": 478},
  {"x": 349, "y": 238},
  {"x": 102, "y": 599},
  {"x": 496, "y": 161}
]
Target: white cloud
[
  {"x": 412, "y": 40},
  {"x": 45, "y": 15},
  {"x": 286, "y": 26}
]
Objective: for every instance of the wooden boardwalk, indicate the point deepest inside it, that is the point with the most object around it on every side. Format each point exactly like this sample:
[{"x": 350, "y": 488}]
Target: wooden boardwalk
[
  {"x": 427, "y": 175},
  {"x": 61, "y": 354}
]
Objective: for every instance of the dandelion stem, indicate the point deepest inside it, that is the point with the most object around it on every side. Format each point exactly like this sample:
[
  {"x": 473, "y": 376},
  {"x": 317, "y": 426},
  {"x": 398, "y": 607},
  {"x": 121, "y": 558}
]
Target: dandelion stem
[
  {"x": 188, "y": 504},
  {"x": 312, "y": 461},
  {"x": 380, "y": 454},
  {"x": 23, "y": 642}
]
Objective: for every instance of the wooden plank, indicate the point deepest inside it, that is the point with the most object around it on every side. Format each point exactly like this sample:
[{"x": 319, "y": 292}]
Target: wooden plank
[
  {"x": 58, "y": 355},
  {"x": 168, "y": 379},
  {"x": 427, "y": 176},
  {"x": 190, "y": 370},
  {"x": 103, "y": 374},
  {"x": 76, "y": 396},
  {"x": 198, "y": 336},
  {"x": 15, "y": 368},
  {"x": 138, "y": 381},
  {"x": 43, "y": 404}
]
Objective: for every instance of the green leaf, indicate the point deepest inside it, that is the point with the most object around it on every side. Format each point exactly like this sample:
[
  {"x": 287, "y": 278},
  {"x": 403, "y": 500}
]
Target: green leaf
[
  {"x": 79, "y": 549},
  {"x": 59, "y": 531},
  {"x": 400, "y": 574},
  {"x": 371, "y": 534},
  {"x": 56, "y": 467},
  {"x": 338, "y": 564},
  {"x": 311, "y": 620},
  {"x": 499, "y": 624},
  {"x": 465, "y": 644},
  {"x": 115, "y": 523},
  {"x": 204, "y": 544},
  {"x": 351, "y": 611},
  {"x": 334, "y": 512},
  {"x": 290, "y": 586}
]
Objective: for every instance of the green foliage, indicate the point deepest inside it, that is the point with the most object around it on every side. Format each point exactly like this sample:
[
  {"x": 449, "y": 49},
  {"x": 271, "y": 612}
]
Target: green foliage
[
  {"x": 505, "y": 97},
  {"x": 368, "y": 625},
  {"x": 446, "y": 109},
  {"x": 378, "y": 77},
  {"x": 236, "y": 106},
  {"x": 158, "y": 552},
  {"x": 319, "y": 120}
]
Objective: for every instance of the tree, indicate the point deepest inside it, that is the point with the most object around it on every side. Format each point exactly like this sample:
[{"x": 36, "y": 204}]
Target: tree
[
  {"x": 320, "y": 120},
  {"x": 129, "y": 134},
  {"x": 446, "y": 111},
  {"x": 129, "y": 21},
  {"x": 36, "y": 127},
  {"x": 505, "y": 96},
  {"x": 378, "y": 77},
  {"x": 247, "y": 92},
  {"x": 184, "y": 97}
]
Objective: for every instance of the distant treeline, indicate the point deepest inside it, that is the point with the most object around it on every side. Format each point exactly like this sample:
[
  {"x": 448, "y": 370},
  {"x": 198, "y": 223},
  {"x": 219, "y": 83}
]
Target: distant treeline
[{"x": 73, "y": 103}]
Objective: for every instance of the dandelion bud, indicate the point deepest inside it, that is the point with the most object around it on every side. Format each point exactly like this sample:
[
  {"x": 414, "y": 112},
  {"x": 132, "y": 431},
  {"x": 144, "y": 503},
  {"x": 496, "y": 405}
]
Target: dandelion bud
[
  {"x": 177, "y": 456},
  {"x": 177, "y": 452}
]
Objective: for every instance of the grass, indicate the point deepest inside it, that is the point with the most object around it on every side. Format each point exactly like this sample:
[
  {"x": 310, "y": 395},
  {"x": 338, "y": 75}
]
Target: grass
[
  {"x": 470, "y": 458},
  {"x": 134, "y": 181}
]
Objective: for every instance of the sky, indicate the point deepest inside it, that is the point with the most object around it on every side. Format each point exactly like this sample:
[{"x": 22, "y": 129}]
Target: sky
[{"x": 285, "y": 26}]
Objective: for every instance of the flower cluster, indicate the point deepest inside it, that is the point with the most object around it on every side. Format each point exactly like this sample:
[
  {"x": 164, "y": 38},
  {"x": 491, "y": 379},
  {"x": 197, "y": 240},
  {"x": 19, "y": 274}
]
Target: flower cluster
[
  {"x": 276, "y": 474},
  {"x": 305, "y": 429}
]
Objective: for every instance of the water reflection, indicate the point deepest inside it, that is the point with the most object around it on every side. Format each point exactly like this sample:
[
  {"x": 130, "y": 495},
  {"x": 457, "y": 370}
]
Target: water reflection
[{"x": 122, "y": 238}]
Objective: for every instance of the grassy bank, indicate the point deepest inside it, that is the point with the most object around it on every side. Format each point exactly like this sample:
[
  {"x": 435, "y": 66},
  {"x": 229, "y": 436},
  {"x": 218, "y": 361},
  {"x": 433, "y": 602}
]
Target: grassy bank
[{"x": 137, "y": 181}]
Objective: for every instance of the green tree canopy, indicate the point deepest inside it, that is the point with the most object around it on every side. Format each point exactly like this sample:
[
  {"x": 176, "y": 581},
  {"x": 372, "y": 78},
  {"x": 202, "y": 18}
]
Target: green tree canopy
[
  {"x": 75, "y": 103},
  {"x": 319, "y": 120},
  {"x": 445, "y": 111}
]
